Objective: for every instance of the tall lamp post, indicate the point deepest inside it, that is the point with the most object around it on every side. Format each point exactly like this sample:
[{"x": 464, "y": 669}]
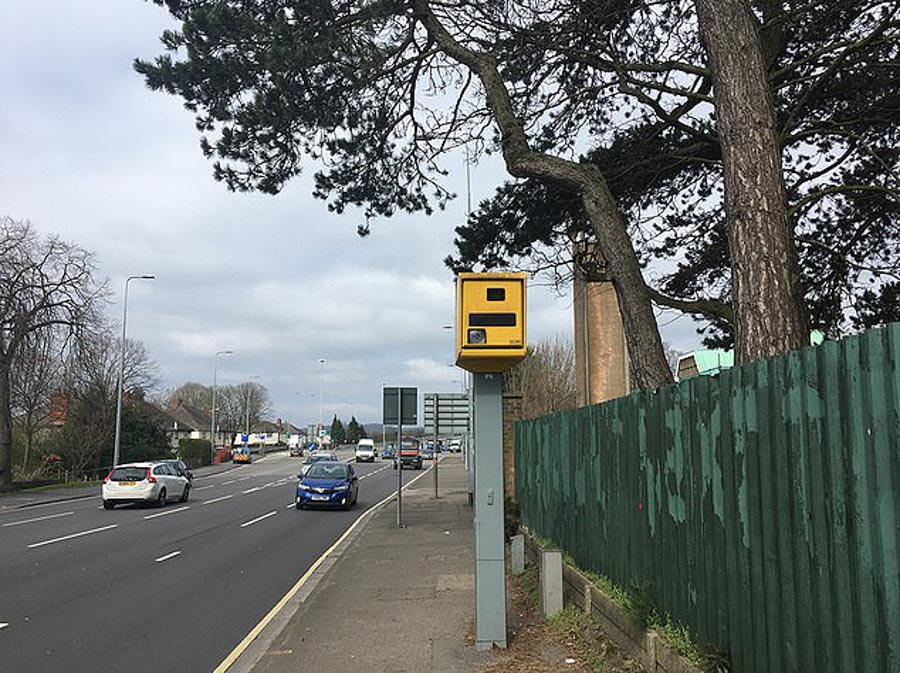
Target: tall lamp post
[
  {"x": 118, "y": 441},
  {"x": 212, "y": 427},
  {"x": 322, "y": 362}
]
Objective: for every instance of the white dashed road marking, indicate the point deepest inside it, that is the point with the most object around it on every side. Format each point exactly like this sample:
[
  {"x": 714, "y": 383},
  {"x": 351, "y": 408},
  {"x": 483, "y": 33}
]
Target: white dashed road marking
[
  {"x": 251, "y": 490},
  {"x": 224, "y": 497},
  {"x": 258, "y": 519},
  {"x": 200, "y": 488},
  {"x": 3, "y": 625},
  {"x": 40, "y": 518},
  {"x": 171, "y": 511},
  {"x": 168, "y": 556},
  {"x": 73, "y": 535}
]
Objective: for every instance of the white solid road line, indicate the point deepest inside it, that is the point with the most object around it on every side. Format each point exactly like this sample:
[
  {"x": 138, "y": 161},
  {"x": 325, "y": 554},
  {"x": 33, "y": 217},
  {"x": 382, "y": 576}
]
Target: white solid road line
[
  {"x": 168, "y": 556},
  {"x": 258, "y": 519},
  {"x": 224, "y": 497},
  {"x": 167, "y": 512},
  {"x": 40, "y": 518},
  {"x": 73, "y": 535}
]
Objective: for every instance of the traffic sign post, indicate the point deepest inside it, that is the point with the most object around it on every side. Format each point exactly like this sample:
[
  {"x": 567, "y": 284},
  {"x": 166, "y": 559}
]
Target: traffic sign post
[
  {"x": 400, "y": 407},
  {"x": 445, "y": 414}
]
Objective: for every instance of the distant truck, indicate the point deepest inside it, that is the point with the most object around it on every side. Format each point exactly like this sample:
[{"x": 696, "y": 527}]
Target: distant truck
[{"x": 410, "y": 454}]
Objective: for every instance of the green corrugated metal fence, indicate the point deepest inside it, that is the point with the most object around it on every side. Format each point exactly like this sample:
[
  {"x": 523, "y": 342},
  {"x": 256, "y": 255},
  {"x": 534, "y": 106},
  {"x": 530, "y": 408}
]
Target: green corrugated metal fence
[{"x": 759, "y": 507}]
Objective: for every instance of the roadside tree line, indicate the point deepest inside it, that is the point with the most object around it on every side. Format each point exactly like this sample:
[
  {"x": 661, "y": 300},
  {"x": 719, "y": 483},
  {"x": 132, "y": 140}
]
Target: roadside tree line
[{"x": 751, "y": 145}]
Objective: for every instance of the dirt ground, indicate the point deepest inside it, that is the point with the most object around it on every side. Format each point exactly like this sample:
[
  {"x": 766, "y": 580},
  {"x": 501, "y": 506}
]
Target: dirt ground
[{"x": 570, "y": 643}]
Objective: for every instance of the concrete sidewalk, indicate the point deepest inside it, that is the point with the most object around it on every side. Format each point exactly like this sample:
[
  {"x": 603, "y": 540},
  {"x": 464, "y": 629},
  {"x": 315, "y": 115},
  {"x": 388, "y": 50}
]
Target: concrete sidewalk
[{"x": 387, "y": 599}]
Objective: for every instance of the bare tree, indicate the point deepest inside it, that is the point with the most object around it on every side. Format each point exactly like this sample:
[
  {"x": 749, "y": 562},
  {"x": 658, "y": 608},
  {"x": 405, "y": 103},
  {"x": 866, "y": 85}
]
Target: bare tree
[
  {"x": 35, "y": 374},
  {"x": 44, "y": 284},
  {"x": 91, "y": 375},
  {"x": 191, "y": 393},
  {"x": 547, "y": 377}
]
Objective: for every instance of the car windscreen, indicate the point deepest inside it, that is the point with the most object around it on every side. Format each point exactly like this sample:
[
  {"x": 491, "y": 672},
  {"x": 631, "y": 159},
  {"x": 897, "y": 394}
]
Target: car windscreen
[
  {"x": 324, "y": 470},
  {"x": 128, "y": 474}
]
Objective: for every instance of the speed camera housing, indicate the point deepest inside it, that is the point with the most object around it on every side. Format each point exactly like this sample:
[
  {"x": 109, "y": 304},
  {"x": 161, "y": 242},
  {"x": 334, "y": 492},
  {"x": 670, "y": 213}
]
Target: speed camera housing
[{"x": 490, "y": 321}]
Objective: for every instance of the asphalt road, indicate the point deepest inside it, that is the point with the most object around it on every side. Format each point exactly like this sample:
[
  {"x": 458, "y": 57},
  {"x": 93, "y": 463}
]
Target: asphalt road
[{"x": 141, "y": 589}]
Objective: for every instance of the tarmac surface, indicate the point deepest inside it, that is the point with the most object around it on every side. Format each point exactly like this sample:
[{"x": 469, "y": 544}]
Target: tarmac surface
[{"x": 383, "y": 599}]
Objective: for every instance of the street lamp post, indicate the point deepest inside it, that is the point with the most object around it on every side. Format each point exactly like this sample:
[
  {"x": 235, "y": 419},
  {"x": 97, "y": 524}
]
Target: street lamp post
[
  {"x": 322, "y": 362},
  {"x": 118, "y": 440},
  {"x": 212, "y": 427}
]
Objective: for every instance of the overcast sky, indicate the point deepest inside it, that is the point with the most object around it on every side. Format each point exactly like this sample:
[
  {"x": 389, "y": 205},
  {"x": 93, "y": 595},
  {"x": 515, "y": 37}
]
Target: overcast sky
[{"x": 89, "y": 153}]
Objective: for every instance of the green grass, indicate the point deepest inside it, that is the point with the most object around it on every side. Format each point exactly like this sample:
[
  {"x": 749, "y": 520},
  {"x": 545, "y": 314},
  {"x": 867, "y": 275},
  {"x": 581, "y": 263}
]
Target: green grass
[
  {"x": 636, "y": 602},
  {"x": 573, "y": 622}
]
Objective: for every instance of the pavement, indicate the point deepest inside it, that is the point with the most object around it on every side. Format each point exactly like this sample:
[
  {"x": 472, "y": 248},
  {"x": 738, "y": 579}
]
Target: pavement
[{"x": 386, "y": 599}]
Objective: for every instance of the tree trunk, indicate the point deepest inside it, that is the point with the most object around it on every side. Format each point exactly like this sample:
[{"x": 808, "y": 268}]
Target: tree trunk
[
  {"x": 5, "y": 428},
  {"x": 769, "y": 315},
  {"x": 648, "y": 362}
]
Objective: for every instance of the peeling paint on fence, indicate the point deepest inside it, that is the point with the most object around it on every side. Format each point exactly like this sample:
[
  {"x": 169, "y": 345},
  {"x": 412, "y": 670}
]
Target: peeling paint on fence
[{"x": 759, "y": 507}]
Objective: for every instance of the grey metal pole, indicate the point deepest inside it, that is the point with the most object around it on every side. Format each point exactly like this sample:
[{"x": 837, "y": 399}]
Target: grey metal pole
[
  {"x": 212, "y": 429},
  {"x": 490, "y": 571},
  {"x": 321, "y": 391},
  {"x": 117, "y": 443},
  {"x": 399, "y": 458},
  {"x": 435, "y": 455}
]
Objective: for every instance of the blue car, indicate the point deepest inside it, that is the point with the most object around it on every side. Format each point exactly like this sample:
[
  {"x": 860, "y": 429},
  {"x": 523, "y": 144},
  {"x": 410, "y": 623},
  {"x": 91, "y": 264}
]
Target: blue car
[{"x": 330, "y": 483}]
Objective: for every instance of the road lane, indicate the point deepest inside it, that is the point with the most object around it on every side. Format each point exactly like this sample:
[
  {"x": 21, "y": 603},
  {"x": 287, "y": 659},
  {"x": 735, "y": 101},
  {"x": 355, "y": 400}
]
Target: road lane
[{"x": 72, "y": 605}]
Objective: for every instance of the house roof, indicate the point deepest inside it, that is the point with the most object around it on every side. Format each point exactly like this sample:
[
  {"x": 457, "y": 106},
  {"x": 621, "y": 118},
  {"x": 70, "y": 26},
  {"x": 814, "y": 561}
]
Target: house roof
[{"x": 188, "y": 417}]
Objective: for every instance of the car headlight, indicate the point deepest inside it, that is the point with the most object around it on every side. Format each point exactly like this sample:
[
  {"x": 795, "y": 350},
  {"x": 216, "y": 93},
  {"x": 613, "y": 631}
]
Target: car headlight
[
  {"x": 303, "y": 487},
  {"x": 343, "y": 487}
]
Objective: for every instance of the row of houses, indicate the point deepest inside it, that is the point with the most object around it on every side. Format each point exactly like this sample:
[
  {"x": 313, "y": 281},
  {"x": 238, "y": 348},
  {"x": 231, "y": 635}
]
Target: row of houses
[{"x": 184, "y": 421}]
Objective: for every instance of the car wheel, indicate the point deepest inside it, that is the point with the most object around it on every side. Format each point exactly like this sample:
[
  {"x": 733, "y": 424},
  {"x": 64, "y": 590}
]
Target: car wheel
[
  {"x": 107, "y": 504},
  {"x": 187, "y": 493},
  {"x": 161, "y": 500}
]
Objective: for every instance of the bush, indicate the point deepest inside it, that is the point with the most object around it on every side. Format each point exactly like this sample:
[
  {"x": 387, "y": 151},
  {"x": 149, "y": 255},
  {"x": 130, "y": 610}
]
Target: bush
[{"x": 194, "y": 452}]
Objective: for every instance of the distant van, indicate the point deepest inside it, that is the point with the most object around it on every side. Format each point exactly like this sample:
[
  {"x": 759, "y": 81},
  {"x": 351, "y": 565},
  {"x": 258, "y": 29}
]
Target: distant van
[{"x": 366, "y": 451}]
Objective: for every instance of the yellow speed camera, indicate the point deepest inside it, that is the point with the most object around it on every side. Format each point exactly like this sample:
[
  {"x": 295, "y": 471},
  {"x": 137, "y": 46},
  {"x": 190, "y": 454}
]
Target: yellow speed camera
[{"x": 490, "y": 321}]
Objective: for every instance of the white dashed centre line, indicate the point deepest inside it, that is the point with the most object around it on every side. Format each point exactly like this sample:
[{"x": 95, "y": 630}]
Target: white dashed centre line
[
  {"x": 171, "y": 511},
  {"x": 258, "y": 519},
  {"x": 168, "y": 556},
  {"x": 200, "y": 488},
  {"x": 40, "y": 518},
  {"x": 73, "y": 535},
  {"x": 230, "y": 481},
  {"x": 243, "y": 478},
  {"x": 3, "y": 625},
  {"x": 291, "y": 505},
  {"x": 251, "y": 490},
  {"x": 224, "y": 497}
]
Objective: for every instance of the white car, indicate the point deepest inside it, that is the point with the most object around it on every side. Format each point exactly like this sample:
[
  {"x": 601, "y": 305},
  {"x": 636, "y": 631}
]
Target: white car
[
  {"x": 144, "y": 482},
  {"x": 366, "y": 451}
]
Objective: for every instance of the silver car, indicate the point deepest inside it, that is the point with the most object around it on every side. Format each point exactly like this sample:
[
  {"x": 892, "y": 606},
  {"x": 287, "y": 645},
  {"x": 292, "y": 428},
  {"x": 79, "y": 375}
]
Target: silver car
[{"x": 144, "y": 482}]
